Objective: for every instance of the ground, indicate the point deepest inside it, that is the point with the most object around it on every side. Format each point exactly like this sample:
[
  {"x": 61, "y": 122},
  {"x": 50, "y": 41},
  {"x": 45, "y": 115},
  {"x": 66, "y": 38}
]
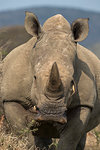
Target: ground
[{"x": 8, "y": 141}]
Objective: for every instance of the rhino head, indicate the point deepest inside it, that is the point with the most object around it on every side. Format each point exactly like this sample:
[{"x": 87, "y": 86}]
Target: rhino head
[{"x": 53, "y": 60}]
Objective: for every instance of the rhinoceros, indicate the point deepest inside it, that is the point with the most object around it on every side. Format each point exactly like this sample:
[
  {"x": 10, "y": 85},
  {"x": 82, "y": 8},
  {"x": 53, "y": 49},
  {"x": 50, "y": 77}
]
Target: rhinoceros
[{"x": 53, "y": 81}]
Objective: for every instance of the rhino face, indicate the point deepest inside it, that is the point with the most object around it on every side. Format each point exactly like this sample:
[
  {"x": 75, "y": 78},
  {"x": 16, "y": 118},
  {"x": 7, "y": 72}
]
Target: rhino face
[{"x": 53, "y": 61}]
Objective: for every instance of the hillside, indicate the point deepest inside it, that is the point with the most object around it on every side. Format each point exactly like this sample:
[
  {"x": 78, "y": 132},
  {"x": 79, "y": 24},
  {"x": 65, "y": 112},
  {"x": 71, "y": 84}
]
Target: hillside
[
  {"x": 11, "y": 37},
  {"x": 96, "y": 49},
  {"x": 16, "y": 17}
]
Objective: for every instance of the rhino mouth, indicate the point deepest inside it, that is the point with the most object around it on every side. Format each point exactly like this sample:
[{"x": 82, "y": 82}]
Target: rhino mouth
[{"x": 47, "y": 114}]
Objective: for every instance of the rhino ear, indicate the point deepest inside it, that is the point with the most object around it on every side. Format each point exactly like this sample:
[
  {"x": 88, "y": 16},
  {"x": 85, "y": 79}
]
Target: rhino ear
[
  {"x": 80, "y": 29},
  {"x": 32, "y": 24}
]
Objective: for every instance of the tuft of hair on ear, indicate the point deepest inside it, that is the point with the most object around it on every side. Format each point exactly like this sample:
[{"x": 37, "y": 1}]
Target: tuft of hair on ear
[
  {"x": 80, "y": 29},
  {"x": 32, "y": 24}
]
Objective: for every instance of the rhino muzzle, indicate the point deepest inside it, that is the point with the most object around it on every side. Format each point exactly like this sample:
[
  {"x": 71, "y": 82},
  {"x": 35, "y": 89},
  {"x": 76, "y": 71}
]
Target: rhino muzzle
[
  {"x": 53, "y": 107},
  {"x": 42, "y": 114}
]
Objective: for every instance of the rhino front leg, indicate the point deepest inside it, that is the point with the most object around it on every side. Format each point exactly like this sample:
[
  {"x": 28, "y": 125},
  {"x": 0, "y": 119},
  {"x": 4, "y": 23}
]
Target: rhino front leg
[
  {"x": 75, "y": 128},
  {"x": 42, "y": 143},
  {"x": 18, "y": 119},
  {"x": 81, "y": 144}
]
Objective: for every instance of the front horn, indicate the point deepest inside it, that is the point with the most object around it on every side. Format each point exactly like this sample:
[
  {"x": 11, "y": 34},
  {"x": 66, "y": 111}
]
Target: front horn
[{"x": 54, "y": 87}]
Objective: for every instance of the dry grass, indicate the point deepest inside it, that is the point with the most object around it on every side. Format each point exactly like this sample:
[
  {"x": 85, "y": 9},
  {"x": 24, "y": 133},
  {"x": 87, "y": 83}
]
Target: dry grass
[
  {"x": 11, "y": 142},
  {"x": 8, "y": 141}
]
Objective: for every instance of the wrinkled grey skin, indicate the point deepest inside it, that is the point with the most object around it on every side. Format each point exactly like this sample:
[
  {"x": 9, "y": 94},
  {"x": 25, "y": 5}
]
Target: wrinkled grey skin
[
  {"x": 10, "y": 37},
  {"x": 59, "y": 77}
]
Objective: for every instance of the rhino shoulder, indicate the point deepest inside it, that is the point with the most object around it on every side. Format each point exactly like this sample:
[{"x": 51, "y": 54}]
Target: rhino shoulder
[
  {"x": 21, "y": 49},
  {"x": 19, "y": 52},
  {"x": 16, "y": 73},
  {"x": 84, "y": 51},
  {"x": 92, "y": 62},
  {"x": 88, "y": 57}
]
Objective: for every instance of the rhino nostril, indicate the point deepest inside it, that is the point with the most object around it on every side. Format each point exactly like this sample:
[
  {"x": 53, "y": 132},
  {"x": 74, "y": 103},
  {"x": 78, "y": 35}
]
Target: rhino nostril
[
  {"x": 34, "y": 77},
  {"x": 37, "y": 108}
]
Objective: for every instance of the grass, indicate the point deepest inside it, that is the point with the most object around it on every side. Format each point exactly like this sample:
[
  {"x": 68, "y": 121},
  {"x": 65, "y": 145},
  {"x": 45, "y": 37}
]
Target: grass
[
  {"x": 10, "y": 141},
  {"x": 97, "y": 134}
]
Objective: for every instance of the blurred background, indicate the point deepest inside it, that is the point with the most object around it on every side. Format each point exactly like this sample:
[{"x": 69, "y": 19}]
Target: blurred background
[{"x": 12, "y": 14}]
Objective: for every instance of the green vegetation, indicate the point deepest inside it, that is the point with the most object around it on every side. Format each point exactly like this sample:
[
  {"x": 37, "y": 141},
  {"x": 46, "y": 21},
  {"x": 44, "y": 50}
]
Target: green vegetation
[{"x": 97, "y": 134}]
